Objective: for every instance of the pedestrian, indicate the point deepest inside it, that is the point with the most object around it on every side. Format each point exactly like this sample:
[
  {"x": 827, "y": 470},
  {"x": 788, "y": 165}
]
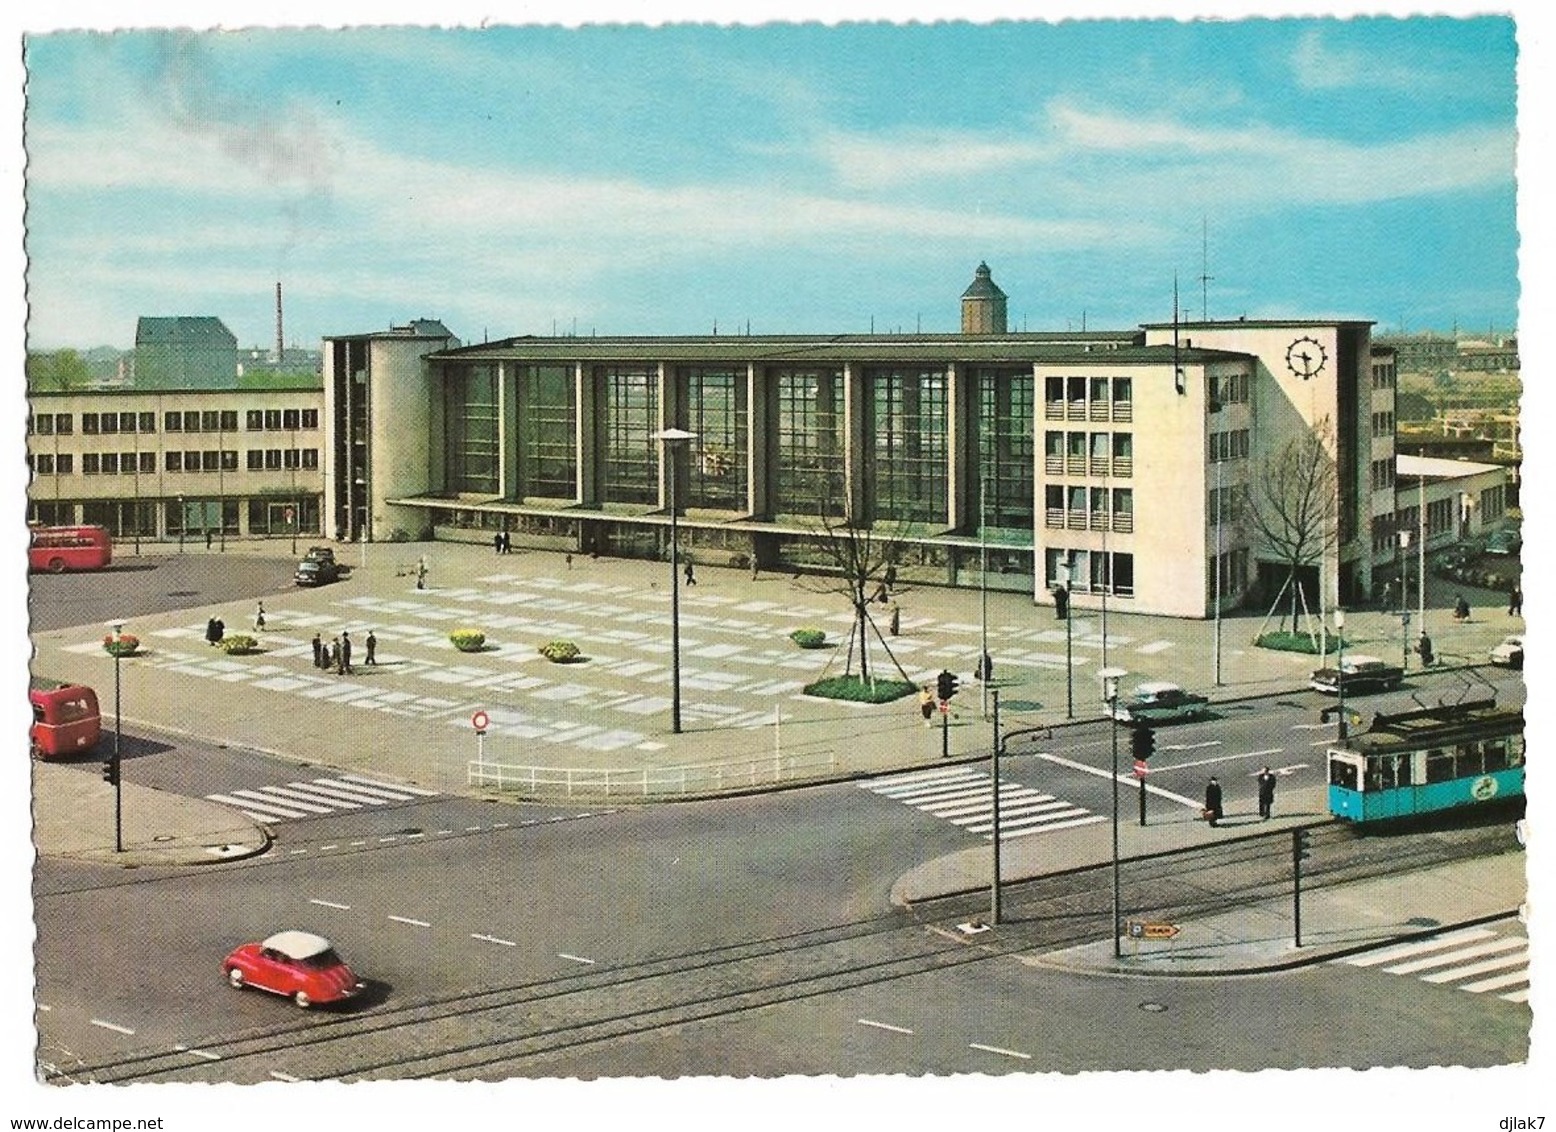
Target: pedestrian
[
  {"x": 896, "y": 619},
  {"x": 1266, "y": 793},
  {"x": 210, "y": 632},
  {"x": 259, "y": 618},
  {"x": 421, "y": 572},
  {"x": 318, "y": 648},
  {"x": 1213, "y": 801},
  {"x": 755, "y": 568},
  {"x": 1424, "y": 648},
  {"x": 345, "y": 651},
  {"x": 569, "y": 560},
  {"x": 1461, "y": 608},
  {"x": 207, "y": 538},
  {"x": 891, "y": 576},
  {"x": 507, "y": 542},
  {"x": 497, "y": 543},
  {"x": 340, "y": 658},
  {"x": 691, "y": 577},
  {"x": 1515, "y": 602},
  {"x": 926, "y": 704},
  {"x": 326, "y": 656},
  {"x": 221, "y": 631},
  {"x": 372, "y": 649}
]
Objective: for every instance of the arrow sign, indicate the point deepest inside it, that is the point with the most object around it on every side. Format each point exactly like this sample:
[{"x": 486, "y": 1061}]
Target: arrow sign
[{"x": 1158, "y": 930}]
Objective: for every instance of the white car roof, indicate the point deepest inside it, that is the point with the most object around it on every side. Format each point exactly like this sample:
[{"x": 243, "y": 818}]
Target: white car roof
[
  {"x": 1156, "y": 688},
  {"x": 297, "y": 945},
  {"x": 1357, "y": 660}
]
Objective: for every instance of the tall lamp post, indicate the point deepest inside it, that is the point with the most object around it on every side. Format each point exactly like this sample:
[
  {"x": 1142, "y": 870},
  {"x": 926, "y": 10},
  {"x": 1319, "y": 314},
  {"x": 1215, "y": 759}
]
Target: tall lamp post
[
  {"x": 1110, "y": 678},
  {"x": 1069, "y": 662},
  {"x": 672, "y": 439},
  {"x": 1404, "y": 601},
  {"x": 113, "y": 770},
  {"x": 1339, "y": 682},
  {"x": 183, "y": 521}
]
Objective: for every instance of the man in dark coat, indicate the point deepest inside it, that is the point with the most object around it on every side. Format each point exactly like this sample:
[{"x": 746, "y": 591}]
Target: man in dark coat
[
  {"x": 345, "y": 652},
  {"x": 1213, "y": 801},
  {"x": 210, "y": 632},
  {"x": 372, "y": 648},
  {"x": 318, "y": 649},
  {"x": 1266, "y": 793}
]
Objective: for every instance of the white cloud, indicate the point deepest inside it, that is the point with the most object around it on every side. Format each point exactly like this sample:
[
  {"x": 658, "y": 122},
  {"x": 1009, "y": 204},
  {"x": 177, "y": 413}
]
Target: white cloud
[{"x": 1318, "y": 65}]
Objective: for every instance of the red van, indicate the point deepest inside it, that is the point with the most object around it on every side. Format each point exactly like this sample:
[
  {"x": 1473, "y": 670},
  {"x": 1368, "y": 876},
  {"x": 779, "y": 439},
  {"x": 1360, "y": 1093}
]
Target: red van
[{"x": 65, "y": 719}]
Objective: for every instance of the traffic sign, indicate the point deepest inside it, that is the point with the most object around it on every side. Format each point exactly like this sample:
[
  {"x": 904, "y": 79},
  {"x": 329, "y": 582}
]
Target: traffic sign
[
  {"x": 1158, "y": 930},
  {"x": 1141, "y": 768},
  {"x": 479, "y": 721}
]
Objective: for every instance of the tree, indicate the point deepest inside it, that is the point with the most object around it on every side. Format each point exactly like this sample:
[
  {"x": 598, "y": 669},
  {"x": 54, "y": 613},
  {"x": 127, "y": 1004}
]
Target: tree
[
  {"x": 1295, "y": 507},
  {"x": 861, "y": 557},
  {"x": 58, "y": 371}
]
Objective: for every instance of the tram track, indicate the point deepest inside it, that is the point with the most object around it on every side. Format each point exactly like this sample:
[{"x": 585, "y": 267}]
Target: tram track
[{"x": 494, "y": 1032}]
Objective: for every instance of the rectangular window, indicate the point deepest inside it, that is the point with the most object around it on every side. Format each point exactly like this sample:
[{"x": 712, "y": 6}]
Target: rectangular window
[
  {"x": 470, "y": 428},
  {"x": 273, "y": 420},
  {"x": 910, "y": 427},
  {"x": 229, "y": 459},
  {"x": 290, "y": 418},
  {"x": 310, "y": 418},
  {"x": 64, "y": 464},
  {"x": 172, "y": 422},
  {"x": 110, "y": 463},
  {"x": 43, "y": 424},
  {"x": 716, "y": 410},
  {"x": 148, "y": 422},
  {"x": 63, "y": 424},
  {"x": 254, "y": 420},
  {"x": 290, "y": 458},
  {"x": 310, "y": 458},
  {"x": 210, "y": 420},
  {"x": 90, "y": 462},
  {"x": 256, "y": 459},
  {"x": 127, "y": 422},
  {"x": 108, "y": 424},
  {"x": 272, "y": 459},
  {"x": 210, "y": 460},
  {"x": 45, "y": 464},
  {"x": 89, "y": 424},
  {"x": 191, "y": 421},
  {"x": 173, "y": 461},
  {"x": 229, "y": 420},
  {"x": 148, "y": 462}
]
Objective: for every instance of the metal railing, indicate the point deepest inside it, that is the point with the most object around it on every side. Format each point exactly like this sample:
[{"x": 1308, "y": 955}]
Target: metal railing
[{"x": 651, "y": 781}]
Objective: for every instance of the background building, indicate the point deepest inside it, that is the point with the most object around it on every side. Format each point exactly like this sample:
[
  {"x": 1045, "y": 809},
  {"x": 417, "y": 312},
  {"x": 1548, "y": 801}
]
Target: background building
[{"x": 184, "y": 352}]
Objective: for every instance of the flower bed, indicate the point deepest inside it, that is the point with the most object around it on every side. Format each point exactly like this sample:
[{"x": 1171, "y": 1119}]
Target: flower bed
[
  {"x": 1298, "y": 642},
  {"x": 468, "y": 640},
  {"x": 858, "y": 691},
  {"x": 809, "y": 638},
  {"x": 559, "y": 652},
  {"x": 126, "y": 645},
  {"x": 238, "y": 644}
]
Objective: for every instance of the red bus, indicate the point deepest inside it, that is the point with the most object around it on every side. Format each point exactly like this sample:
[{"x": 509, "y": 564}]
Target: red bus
[
  {"x": 65, "y": 719},
  {"x": 57, "y": 549}
]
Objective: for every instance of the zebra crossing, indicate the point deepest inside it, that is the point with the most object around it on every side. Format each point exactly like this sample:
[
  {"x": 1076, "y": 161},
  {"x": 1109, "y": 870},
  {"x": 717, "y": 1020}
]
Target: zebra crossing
[
  {"x": 319, "y": 796},
  {"x": 1478, "y": 960},
  {"x": 962, "y": 796}
]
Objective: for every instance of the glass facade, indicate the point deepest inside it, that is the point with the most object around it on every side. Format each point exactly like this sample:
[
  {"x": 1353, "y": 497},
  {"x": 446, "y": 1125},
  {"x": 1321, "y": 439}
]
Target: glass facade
[
  {"x": 548, "y": 412},
  {"x": 628, "y": 399},
  {"x": 1006, "y": 447},
  {"x": 717, "y": 410},
  {"x": 909, "y": 433},
  {"x": 470, "y": 410},
  {"x": 809, "y": 479}
]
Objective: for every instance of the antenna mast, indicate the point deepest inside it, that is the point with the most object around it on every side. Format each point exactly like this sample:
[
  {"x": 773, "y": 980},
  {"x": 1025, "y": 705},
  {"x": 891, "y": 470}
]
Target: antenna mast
[{"x": 1204, "y": 270}]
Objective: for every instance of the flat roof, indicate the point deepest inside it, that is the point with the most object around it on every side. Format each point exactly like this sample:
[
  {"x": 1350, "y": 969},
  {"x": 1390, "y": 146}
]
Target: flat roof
[{"x": 1437, "y": 468}]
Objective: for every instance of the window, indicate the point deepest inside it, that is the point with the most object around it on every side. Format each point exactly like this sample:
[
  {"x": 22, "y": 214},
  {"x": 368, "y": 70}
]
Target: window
[
  {"x": 210, "y": 460},
  {"x": 291, "y": 458},
  {"x": 148, "y": 422},
  {"x": 210, "y": 420},
  {"x": 229, "y": 420},
  {"x": 127, "y": 422},
  {"x": 172, "y": 422},
  {"x": 191, "y": 461},
  {"x": 43, "y": 424},
  {"x": 310, "y": 458},
  {"x": 108, "y": 424},
  {"x": 310, "y": 418},
  {"x": 256, "y": 459},
  {"x": 272, "y": 459},
  {"x": 44, "y": 464},
  {"x": 254, "y": 420},
  {"x": 110, "y": 463},
  {"x": 148, "y": 463},
  {"x": 90, "y": 462},
  {"x": 290, "y": 418},
  {"x": 1099, "y": 389},
  {"x": 273, "y": 419},
  {"x": 128, "y": 464},
  {"x": 1123, "y": 453},
  {"x": 89, "y": 424},
  {"x": 64, "y": 464},
  {"x": 173, "y": 461},
  {"x": 191, "y": 421},
  {"x": 229, "y": 460},
  {"x": 909, "y": 423}
]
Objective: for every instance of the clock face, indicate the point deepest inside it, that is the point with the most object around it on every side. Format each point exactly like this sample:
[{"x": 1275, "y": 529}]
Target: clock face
[{"x": 1305, "y": 357}]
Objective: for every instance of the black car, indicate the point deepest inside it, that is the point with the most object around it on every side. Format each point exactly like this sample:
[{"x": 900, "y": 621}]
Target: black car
[
  {"x": 1360, "y": 675},
  {"x": 320, "y": 554},
  {"x": 316, "y": 572}
]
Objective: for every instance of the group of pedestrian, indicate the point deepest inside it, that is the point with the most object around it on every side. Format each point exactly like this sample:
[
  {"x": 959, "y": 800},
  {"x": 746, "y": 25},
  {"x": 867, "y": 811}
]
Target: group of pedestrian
[
  {"x": 215, "y": 630},
  {"x": 1214, "y": 811},
  {"x": 336, "y": 654},
  {"x": 502, "y": 542}
]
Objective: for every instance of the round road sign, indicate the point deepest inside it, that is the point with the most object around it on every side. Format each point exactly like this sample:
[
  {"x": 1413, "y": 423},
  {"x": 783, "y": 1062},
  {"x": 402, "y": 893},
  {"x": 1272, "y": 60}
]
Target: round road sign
[{"x": 479, "y": 721}]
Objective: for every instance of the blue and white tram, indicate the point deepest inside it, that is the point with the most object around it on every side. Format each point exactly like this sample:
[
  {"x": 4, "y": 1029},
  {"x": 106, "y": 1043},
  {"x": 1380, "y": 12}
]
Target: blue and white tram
[{"x": 1422, "y": 762}]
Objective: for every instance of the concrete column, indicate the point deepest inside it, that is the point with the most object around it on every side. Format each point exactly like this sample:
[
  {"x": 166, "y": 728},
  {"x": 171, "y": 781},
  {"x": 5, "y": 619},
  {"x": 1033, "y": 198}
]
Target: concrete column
[
  {"x": 959, "y": 454},
  {"x": 759, "y": 420},
  {"x": 510, "y": 444},
  {"x": 586, "y": 437},
  {"x": 856, "y": 459}
]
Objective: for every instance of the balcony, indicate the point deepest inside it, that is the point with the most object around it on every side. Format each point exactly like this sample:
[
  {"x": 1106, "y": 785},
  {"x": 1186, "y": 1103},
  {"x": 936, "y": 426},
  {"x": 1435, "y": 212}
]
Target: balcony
[
  {"x": 1099, "y": 410},
  {"x": 1099, "y": 466},
  {"x": 1123, "y": 466},
  {"x": 1124, "y": 522},
  {"x": 1076, "y": 466},
  {"x": 1053, "y": 465},
  {"x": 1123, "y": 410},
  {"x": 1077, "y": 521},
  {"x": 1053, "y": 410},
  {"x": 1054, "y": 518},
  {"x": 1077, "y": 411}
]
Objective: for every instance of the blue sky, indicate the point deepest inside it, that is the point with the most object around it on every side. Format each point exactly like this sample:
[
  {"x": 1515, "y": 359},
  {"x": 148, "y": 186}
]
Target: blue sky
[{"x": 799, "y": 178}]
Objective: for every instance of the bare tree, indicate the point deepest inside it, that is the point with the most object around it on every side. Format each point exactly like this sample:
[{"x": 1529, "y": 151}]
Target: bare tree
[
  {"x": 1295, "y": 506},
  {"x": 861, "y": 558}
]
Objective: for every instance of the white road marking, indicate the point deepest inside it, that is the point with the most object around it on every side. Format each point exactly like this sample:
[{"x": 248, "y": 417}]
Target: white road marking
[
  {"x": 493, "y": 939},
  {"x": 331, "y": 904},
  {"x": 1485, "y": 967},
  {"x": 407, "y": 920},
  {"x": 1516, "y": 996},
  {"x": 1311, "y": 726},
  {"x": 1192, "y": 746},
  {"x": 1091, "y": 819},
  {"x": 1490, "y": 947},
  {"x": 205, "y": 1053},
  {"x": 1193, "y": 803},
  {"x": 111, "y": 1026},
  {"x": 274, "y": 794},
  {"x": 1400, "y": 951},
  {"x": 574, "y": 958},
  {"x": 1217, "y": 759},
  {"x": 1003, "y": 1052},
  {"x": 267, "y": 810},
  {"x": 279, "y": 1076},
  {"x": 884, "y": 1026},
  {"x": 393, "y": 786},
  {"x": 324, "y": 847}
]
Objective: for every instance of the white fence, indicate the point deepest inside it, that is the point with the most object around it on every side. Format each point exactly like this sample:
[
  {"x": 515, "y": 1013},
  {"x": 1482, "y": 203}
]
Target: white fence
[{"x": 651, "y": 781}]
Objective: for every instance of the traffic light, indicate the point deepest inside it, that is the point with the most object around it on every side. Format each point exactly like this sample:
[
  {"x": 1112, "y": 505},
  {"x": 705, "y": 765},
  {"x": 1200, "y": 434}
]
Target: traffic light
[
  {"x": 1301, "y": 850},
  {"x": 111, "y": 771},
  {"x": 945, "y": 685},
  {"x": 1061, "y": 603},
  {"x": 1143, "y": 742}
]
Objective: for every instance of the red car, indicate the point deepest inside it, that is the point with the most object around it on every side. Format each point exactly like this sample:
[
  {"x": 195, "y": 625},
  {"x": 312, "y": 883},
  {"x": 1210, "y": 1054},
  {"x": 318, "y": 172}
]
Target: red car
[{"x": 300, "y": 965}]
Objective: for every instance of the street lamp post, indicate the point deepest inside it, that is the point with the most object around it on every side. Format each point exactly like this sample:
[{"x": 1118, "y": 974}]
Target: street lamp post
[
  {"x": 1404, "y": 602},
  {"x": 672, "y": 438},
  {"x": 1110, "y": 678},
  {"x": 994, "y": 801},
  {"x": 118, "y": 738},
  {"x": 183, "y": 520},
  {"x": 1069, "y": 662},
  {"x": 1339, "y": 683}
]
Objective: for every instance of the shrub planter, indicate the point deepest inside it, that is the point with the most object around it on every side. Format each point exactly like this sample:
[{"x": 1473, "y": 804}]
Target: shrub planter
[
  {"x": 126, "y": 645},
  {"x": 858, "y": 691},
  {"x": 559, "y": 652},
  {"x": 468, "y": 640},
  {"x": 238, "y": 644},
  {"x": 1298, "y": 642},
  {"x": 809, "y": 638}
]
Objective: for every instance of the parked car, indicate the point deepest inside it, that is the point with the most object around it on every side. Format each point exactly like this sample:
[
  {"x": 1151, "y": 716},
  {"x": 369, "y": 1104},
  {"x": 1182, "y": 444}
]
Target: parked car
[
  {"x": 299, "y": 965},
  {"x": 1504, "y": 543},
  {"x": 1160, "y": 702},
  {"x": 1360, "y": 675},
  {"x": 1510, "y": 653},
  {"x": 316, "y": 572},
  {"x": 321, "y": 554}
]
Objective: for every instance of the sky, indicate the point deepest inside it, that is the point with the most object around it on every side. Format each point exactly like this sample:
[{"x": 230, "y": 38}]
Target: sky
[{"x": 781, "y": 178}]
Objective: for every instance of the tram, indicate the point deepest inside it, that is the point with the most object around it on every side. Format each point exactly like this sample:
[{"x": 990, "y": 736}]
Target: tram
[{"x": 1422, "y": 762}]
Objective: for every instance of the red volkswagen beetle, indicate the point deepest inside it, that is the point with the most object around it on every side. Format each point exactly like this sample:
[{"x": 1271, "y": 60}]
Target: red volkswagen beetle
[{"x": 300, "y": 965}]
